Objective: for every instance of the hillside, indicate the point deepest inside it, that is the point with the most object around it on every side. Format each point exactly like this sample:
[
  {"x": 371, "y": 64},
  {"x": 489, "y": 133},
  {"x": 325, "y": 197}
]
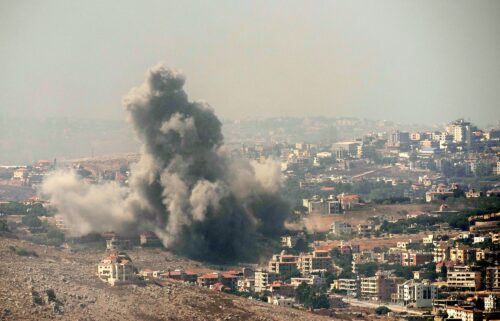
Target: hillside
[{"x": 82, "y": 296}]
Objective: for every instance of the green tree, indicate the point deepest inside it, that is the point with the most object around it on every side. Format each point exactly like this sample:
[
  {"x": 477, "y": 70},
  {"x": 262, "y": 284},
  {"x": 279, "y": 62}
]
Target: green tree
[
  {"x": 51, "y": 295},
  {"x": 32, "y": 221},
  {"x": 55, "y": 235},
  {"x": 12, "y": 208},
  {"x": 382, "y": 310},
  {"x": 310, "y": 297},
  {"x": 303, "y": 292},
  {"x": 37, "y": 209},
  {"x": 301, "y": 246},
  {"x": 319, "y": 301},
  {"x": 3, "y": 226},
  {"x": 367, "y": 269}
]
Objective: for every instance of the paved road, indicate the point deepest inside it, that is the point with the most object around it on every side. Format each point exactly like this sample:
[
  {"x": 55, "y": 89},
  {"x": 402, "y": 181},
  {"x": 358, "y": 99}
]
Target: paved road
[
  {"x": 372, "y": 171},
  {"x": 374, "y": 305}
]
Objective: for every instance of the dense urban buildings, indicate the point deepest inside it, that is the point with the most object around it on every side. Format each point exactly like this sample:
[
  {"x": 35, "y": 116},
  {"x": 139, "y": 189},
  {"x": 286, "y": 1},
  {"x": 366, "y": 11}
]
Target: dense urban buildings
[{"x": 407, "y": 220}]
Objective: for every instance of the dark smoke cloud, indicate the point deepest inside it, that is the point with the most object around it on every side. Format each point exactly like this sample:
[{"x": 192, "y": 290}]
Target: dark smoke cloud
[{"x": 199, "y": 202}]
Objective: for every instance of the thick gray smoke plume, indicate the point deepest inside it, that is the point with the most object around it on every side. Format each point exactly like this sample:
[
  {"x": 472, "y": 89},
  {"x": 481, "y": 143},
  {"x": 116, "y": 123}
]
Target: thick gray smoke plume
[{"x": 200, "y": 202}]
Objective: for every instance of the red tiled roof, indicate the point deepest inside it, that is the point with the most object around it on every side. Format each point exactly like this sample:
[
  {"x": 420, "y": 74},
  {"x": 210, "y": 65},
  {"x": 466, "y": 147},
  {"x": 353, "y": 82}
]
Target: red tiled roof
[
  {"x": 229, "y": 275},
  {"x": 209, "y": 276},
  {"x": 277, "y": 284},
  {"x": 348, "y": 196},
  {"x": 463, "y": 309}
]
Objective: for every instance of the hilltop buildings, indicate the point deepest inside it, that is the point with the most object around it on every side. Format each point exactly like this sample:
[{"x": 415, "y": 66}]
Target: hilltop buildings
[{"x": 117, "y": 269}]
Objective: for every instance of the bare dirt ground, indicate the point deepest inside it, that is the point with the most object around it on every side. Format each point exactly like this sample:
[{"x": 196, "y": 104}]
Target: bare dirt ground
[
  {"x": 371, "y": 243},
  {"x": 321, "y": 223},
  {"x": 82, "y": 296}
]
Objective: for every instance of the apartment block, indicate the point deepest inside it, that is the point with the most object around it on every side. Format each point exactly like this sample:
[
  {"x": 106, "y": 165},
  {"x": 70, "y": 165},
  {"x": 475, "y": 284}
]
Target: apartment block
[{"x": 463, "y": 278}]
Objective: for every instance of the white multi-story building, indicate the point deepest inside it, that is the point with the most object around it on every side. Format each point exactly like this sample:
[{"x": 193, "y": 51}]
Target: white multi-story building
[
  {"x": 351, "y": 286},
  {"x": 117, "y": 269},
  {"x": 246, "y": 285},
  {"x": 416, "y": 294},
  {"x": 311, "y": 280},
  {"x": 379, "y": 287},
  {"x": 263, "y": 278},
  {"x": 461, "y": 132},
  {"x": 317, "y": 205},
  {"x": 491, "y": 302},
  {"x": 429, "y": 239}
]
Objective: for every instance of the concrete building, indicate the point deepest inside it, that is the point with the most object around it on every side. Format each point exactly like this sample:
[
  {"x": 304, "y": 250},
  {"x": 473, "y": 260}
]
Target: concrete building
[
  {"x": 461, "y": 132},
  {"x": 209, "y": 279},
  {"x": 281, "y": 301},
  {"x": 345, "y": 149},
  {"x": 429, "y": 239},
  {"x": 437, "y": 196},
  {"x": 315, "y": 205},
  {"x": 352, "y": 287},
  {"x": 334, "y": 206},
  {"x": 492, "y": 279},
  {"x": 283, "y": 264},
  {"x": 399, "y": 140},
  {"x": 364, "y": 229},
  {"x": 462, "y": 254},
  {"x": 228, "y": 280},
  {"x": 317, "y": 261},
  {"x": 179, "y": 275},
  {"x": 491, "y": 303},
  {"x": 117, "y": 269},
  {"x": 379, "y": 287},
  {"x": 441, "y": 252},
  {"x": 364, "y": 256},
  {"x": 311, "y": 280},
  {"x": 114, "y": 242},
  {"x": 291, "y": 240},
  {"x": 463, "y": 278},
  {"x": 340, "y": 228},
  {"x": 279, "y": 288},
  {"x": 246, "y": 285},
  {"x": 348, "y": 201},
  {"x": 263, "y": 278},
  {"x": 416, "y": 294},
  {"x": 464, "y": 314},
  {"x": 412, "y": 258}
]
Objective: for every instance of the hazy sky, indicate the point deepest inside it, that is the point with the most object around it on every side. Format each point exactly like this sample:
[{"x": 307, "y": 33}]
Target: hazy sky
[{"x": 408, "y": 61}]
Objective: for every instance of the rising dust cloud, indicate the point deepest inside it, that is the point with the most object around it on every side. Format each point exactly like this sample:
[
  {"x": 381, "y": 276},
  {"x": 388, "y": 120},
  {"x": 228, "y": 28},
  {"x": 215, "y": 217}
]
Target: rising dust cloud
[{"x": 199, "y": 202}]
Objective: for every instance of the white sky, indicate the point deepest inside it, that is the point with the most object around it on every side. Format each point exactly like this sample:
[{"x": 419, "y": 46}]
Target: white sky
[{"x": 409, "y": 61}]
